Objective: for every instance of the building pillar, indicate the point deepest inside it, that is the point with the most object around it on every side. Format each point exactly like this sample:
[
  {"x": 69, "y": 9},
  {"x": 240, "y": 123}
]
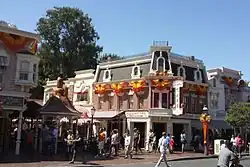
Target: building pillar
[
  {"x": 36, "y": 134},
  {"x": 124, "y": 127},
  {"x": 148, "y": 127},
  {"x": 170, "y": 127},
  {"x": 19, "y": 133},
  {"x": 41, "y": 136}
]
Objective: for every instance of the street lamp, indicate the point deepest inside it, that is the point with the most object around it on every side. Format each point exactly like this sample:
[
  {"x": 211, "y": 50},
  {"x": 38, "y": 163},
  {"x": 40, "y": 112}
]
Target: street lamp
[
  {"x": 205, "y": 119},
  {"x": 93, "y": 110}
]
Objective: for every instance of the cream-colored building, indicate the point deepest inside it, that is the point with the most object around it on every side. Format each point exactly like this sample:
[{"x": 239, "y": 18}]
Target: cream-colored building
[
  {"x": 18, "y": 73},
  {"x": 80, "y": 90}
]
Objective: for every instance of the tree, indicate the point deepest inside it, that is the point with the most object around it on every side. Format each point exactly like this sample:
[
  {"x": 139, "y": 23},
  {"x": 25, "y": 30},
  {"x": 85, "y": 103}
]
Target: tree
[
  {"x": 68, "y": 43},
  {"x": 239, "y": 115},
  {"x": 112, "y": 56}
]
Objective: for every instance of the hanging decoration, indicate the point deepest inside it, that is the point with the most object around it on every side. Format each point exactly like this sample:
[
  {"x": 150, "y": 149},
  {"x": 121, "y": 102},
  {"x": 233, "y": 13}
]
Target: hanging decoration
[
  {"x": 158, "y": 73},
  {"x": 17, "y": 43},
  {"x": 201, "y": 90},
  {"x": 101, "y": 88},
  {"x": 138, "y": 86},
  {"x": 160, "y": 84},
  {"x": 118, "y": 88},
  {"x": 228, "y": 80}
]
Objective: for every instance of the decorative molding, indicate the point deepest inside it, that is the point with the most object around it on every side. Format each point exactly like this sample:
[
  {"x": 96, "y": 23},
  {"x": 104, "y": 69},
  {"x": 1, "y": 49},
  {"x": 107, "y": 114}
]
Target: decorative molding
[
  {"x": 181, "y": 67},
  {"x": 198, "y": 71},
  {"x": 138, "y": 75},
  {"x": 107, "y": 75}
]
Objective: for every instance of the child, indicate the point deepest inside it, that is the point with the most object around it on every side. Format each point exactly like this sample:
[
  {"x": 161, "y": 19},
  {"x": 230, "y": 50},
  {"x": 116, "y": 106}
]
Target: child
[{"x": 172, "y": 143}]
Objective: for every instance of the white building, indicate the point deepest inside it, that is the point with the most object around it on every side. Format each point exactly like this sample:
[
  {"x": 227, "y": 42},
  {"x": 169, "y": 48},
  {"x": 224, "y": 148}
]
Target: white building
[{"x": 225, "y": 86}]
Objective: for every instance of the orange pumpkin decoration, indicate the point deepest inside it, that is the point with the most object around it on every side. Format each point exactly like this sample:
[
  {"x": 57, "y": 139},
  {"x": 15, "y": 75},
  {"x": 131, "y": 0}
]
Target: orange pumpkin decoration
[
  {"x": 101, "y": 88},
  {"x": 160, "y": 84},
  {"x": 138, "y": 86}
]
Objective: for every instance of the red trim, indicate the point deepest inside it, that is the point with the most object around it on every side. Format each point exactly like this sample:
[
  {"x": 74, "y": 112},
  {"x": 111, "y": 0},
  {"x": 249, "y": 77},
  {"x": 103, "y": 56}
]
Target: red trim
[{"x": 85, "y": 115}]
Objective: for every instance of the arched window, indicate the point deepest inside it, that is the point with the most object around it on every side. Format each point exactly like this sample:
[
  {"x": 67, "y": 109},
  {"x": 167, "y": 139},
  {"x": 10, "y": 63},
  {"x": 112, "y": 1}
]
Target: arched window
[
  {"x": 198, "y": 77},
  {"x": 106, "y": 74},
  {"x": 161, "y": 64},
  {"x": 181, "y": 72},
  {"x": 136, "y": 71}
]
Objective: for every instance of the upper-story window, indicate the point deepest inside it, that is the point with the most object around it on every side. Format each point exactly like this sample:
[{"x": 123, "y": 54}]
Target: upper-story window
[
  {"x": 193, "y": 104},
  {"x": 197, "y": 75},
  {"x": 120, "y": 102},
  {"x": 107, "y": 75},
  {"x": 160, "y": 99},
  {"x": 82, "y": 97},
  {"x": 160, "y": 64},
  {"x": 34, "y": 72},
  {"x": 111, "y": 102},
  {"x": 214, "y": 100},
  {"x": 24, "y": 70},
  {"x": 100, "y": 102},
  {"x": 181, "y": 72},
  {"x": 214, "y": 82},
  {"x": 130, "y": 101},
  {"x": 136, "y": 73}
]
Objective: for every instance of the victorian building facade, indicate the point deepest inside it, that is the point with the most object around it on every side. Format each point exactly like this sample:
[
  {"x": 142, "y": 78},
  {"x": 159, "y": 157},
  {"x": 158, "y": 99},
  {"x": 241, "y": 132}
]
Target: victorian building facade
[
  {"x": 159, "y": 90},
  {"x": 226, "y": 86},
  {"x": 18, "y": 73}
]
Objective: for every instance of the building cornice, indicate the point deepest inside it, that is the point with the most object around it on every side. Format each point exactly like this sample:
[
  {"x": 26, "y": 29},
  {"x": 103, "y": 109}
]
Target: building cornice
[{"x": 20, "y": 32}]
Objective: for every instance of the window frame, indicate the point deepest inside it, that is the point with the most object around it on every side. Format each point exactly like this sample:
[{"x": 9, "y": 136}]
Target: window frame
[
  {"x": 179, "y": 71},
  {"x": 130, "y": 99},
  {"x": 164, "y": 64},
  {"x": 160, "y": 93},
  {"x": 107, "y": 75},
  {"x": 138, "y": 75},
  {"x": 24, "y": 73}
]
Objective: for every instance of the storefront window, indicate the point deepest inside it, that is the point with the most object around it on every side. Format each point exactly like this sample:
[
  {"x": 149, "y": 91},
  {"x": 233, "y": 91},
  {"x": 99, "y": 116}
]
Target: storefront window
[{"x": 164, "y": 100}]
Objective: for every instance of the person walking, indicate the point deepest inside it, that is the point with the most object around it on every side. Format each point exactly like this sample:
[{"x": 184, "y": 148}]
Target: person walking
[
  {"x": 114, "y": 142},
  {"x": 163, "y": 150},
  {"x": 151, "y": 141},
  {"x": 183, "y": 140},
  {"x": 137, "y": 140},
  {"x": 127, "y": 145}
]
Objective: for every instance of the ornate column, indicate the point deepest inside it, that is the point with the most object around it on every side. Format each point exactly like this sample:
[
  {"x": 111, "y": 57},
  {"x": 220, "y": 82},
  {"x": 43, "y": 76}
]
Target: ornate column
[
  {"x": 19, "y": 131},
  {"x": 149, "y": 126},
  {"x": 177, "y": 108}
]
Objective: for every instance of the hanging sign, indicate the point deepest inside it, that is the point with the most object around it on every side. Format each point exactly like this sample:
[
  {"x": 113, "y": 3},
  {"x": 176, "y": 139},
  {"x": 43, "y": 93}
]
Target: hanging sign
[{"x": 178, "y": 109}]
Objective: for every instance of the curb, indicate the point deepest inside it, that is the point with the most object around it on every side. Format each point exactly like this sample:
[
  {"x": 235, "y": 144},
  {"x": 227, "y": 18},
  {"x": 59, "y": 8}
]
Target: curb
[{"x": 192, "y": 158}]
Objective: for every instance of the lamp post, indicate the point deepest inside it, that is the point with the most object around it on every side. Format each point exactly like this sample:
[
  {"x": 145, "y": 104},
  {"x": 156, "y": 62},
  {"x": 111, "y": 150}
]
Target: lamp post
[
  {"x": 205, "y": 119},
  {"x": 92, "y": 120}
]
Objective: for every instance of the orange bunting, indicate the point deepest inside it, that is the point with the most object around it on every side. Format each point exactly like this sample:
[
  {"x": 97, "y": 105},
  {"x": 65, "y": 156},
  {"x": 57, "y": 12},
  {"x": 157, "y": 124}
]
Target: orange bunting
[
  {"x": 160, "y": 84},
  {"x": 138, "y": 86},
  {"x": 18, "y": 43},
  {"x": 158, "y": 73},
  {"x": 101, "y": 88},
  {"x": 201, "y": 90},
  {"x": 228, "y": 80}
]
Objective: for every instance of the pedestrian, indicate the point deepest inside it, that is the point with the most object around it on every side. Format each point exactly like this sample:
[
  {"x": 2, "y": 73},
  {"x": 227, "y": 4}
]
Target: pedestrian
[
  {"x": 137, "y": 139},
  {"x": 183, "y": 140},
  {"x": 101, "y": 142},
  {"x": 151, "y": 141},
  {"x": 163, "y": 150},
  {"x": 172, "y": 144},
  {"x": 114, "y": 142},
  {"x": 71, "y": 144},
  {"x": 239, "y": 144},
  {"x": 127, "y": 145}
]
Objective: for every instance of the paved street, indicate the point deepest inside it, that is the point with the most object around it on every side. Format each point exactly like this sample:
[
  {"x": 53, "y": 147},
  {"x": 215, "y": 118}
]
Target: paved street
[{"x": 189, "y": 163}]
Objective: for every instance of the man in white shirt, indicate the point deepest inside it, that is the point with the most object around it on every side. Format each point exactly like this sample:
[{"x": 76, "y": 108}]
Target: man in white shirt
[
  {"x": 114, "y": 142},
  {"x": 127, "y": 145},
  {"x": 163, "y": 149}
]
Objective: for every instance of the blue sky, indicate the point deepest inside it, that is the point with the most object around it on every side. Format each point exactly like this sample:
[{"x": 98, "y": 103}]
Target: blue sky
[{"x": 216, "y": 31}]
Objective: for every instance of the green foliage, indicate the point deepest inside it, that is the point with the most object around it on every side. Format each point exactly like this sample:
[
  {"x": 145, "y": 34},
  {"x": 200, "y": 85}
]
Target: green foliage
[
  {"x": 68, "y": 43},
  {"x": 239, "y": 115},
  {"x": 106, "y": 56}
]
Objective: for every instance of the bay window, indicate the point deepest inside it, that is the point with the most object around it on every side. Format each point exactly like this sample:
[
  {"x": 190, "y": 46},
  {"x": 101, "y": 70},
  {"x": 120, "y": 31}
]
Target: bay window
[
  {"x": 193, "y": 104},
  {"x": 24, "y": 70}
]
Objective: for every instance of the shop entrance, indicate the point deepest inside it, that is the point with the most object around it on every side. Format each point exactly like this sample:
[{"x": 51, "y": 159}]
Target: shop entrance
[
  {"x": 177, "y": 129},
  {"x": 141, "y": 126},
  {"x": 158, "y": 128}
]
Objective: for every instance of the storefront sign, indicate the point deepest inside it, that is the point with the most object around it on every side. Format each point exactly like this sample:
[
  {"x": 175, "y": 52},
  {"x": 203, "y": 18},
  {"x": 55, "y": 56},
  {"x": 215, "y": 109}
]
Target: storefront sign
[
  {"x": 136, "y": 114},
  {"x": 160, "y": 112},
  {"x": 177, "y": 110},
  {"x": 12, "y": 101}
]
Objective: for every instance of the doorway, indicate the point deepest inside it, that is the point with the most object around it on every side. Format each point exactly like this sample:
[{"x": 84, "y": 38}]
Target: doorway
[
  {"x": 158, "y": 128},
  {"x": 177, "y": 129},
  {"x": 141, "y": 126}
]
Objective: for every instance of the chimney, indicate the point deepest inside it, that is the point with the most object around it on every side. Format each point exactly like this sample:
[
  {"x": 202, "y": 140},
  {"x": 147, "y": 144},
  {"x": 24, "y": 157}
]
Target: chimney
[{"x": 193, "y": 58}]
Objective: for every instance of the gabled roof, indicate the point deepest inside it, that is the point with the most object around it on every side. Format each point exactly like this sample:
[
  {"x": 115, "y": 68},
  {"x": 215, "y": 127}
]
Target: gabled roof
[{"x": 59, "y": 106}]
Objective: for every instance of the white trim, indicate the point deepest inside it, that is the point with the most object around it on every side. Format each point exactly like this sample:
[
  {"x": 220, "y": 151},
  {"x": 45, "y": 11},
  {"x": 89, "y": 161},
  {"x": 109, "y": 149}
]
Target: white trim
[
  {"x": 157, "y": 62},
  {"x": 104, "y": 76},
  {"x": 96, "y": 73},
  {"x": 124, "y": 64},
  {"x": 179, "y": 71},
  {"x": 14, "y": 94},
  {"x": 160, "y": 98},
  {"x": 133, "y": 76},
  {"x": 195, "y": 75}
]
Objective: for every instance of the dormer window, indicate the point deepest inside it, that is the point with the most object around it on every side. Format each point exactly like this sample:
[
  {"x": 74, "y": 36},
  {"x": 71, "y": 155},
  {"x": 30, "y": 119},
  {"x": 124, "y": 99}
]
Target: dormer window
[
  {"x": 107, "y": 75},
  {"x": 181, "y": 72},
  {"x": 160, "y": 64},
  {"x": 136, "y": 72},
  {"x": 197, "y": 75}
]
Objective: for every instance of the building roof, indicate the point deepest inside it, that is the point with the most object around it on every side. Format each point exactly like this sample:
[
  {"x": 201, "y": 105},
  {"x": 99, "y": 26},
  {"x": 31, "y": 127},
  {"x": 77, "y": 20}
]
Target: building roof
[
  {"x": 122, "y": 69},
  {"x": 11, "y": 30},
  {"x": 59, "y": 106}
]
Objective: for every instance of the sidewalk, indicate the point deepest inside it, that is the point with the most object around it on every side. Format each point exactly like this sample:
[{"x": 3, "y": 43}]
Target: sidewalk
[{"x": 100, "y": 162}]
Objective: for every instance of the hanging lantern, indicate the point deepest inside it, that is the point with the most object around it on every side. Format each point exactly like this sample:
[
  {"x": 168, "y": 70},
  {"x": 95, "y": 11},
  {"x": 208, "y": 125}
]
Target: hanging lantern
[
  {"x": 138, "y": 86},
  {"x": 160, "y": 84},
  {"x": 101, "y": 89}
]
